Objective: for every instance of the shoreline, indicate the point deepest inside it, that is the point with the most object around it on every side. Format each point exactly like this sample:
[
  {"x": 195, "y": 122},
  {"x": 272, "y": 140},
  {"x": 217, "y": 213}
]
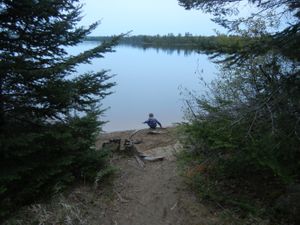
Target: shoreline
[
  {"x": 165, "y": 136},
  {"x": 138, "y": 129}
]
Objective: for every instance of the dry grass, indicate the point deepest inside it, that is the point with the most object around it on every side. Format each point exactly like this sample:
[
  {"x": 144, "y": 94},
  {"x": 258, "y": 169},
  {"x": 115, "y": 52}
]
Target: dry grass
[{"x": 59, "y": 211}]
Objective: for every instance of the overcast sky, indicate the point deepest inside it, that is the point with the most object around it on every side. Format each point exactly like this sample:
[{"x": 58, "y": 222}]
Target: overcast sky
[{"x": 149, "y": 17}]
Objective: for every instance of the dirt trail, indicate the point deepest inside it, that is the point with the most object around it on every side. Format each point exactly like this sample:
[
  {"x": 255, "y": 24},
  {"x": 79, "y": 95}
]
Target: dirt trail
[
  {"x": 152, "y": 195},
  {"x": 155, "y": 194}
]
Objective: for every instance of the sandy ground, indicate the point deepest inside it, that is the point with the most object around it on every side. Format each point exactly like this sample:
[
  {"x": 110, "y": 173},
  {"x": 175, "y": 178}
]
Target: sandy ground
[
  {"x": 155, "y": 194},
  {"x": 151, "y": 195}
]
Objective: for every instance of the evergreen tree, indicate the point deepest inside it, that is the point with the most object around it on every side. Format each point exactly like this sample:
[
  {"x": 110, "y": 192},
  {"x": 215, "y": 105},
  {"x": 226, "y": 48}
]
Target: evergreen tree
[
  {"x": 249, "y": 123},
  {"x": 285, "y": 41},
  {"x": 268, "y": 58},
  {"x": 44, "y": 144}
]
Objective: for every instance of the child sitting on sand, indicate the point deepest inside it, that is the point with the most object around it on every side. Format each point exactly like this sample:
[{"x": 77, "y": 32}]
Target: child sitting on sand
[{"x": 152, "y": 122}]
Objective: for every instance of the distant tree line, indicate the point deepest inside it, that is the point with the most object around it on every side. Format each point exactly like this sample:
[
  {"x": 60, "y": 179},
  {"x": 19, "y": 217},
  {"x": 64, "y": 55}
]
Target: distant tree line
[{"x": 205, "y": 44}]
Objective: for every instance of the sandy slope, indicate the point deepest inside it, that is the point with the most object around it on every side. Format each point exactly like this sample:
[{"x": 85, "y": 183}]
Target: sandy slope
[
  {"x": 151, "y": 195},
  {"x": 155, "y": 194}
]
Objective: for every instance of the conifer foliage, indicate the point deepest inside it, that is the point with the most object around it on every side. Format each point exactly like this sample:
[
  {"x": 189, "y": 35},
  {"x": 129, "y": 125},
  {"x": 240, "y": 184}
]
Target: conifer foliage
[
  {"x": 247, "y": 128},
  {"x": 44, "y": 143},
  {"x": 257, "y": 95}
]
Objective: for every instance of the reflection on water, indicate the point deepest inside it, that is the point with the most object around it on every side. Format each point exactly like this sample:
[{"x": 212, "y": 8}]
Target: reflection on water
[
  {"x": 186, "y": 51},
  {"x": 148, "y": 80}
]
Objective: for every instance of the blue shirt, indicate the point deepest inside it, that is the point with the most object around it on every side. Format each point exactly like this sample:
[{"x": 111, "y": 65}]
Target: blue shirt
[{"x": 152, "y": 123}]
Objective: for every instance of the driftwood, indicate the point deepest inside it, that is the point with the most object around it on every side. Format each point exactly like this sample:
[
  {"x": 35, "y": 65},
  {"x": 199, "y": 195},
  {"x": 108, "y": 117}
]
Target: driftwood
[
  {"x": 134, "y": 133},
  {"x": 129, "y": 147},
  {"x": 153, "y": 158},
  {"x": 140, "y": 156},
  {"x": 156, "y": 132},
  {"x": 113, "y": 144}
]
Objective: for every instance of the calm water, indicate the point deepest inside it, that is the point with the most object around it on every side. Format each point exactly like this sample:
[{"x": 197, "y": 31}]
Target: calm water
[{"x": 147, "y": 81}]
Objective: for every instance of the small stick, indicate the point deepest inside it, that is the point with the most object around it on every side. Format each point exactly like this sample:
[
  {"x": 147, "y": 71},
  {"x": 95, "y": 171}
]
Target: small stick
[
  {"x": 121, "y": 198},
  {"x": 135, "y": 132},
  {"x": 140, "y": 162},
  {"x": 191, "y": 109},
  {"x": 174, "y": 206}
]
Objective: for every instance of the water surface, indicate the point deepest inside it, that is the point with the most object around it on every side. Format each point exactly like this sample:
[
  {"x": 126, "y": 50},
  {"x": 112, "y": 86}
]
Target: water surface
[{"x": 147, "y": 81}]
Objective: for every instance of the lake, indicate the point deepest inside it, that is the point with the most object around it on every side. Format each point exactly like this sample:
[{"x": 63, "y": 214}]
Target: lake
[{"x": 148, "y": 80}]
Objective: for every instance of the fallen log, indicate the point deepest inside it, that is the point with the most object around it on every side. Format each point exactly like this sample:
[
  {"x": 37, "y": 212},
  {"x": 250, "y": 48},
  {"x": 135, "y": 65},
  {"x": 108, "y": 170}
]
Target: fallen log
[
  {"x": 153, "y": 158},
  {"x": 156, "y": 132}
]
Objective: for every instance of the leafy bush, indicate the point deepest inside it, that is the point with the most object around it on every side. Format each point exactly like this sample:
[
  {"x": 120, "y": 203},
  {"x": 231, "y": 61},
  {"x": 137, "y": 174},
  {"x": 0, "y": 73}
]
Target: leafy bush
[
  {"x": 248, "y": 126},
  {"x": 247, "y": 129},
  {"x": 251, "y": 118}
]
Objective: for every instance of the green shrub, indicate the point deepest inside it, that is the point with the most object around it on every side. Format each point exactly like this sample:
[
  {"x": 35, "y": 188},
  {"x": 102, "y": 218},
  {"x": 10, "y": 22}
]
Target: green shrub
[
  {"x": 49, "y": 160},
  {"x": 49, "y": 113}
]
